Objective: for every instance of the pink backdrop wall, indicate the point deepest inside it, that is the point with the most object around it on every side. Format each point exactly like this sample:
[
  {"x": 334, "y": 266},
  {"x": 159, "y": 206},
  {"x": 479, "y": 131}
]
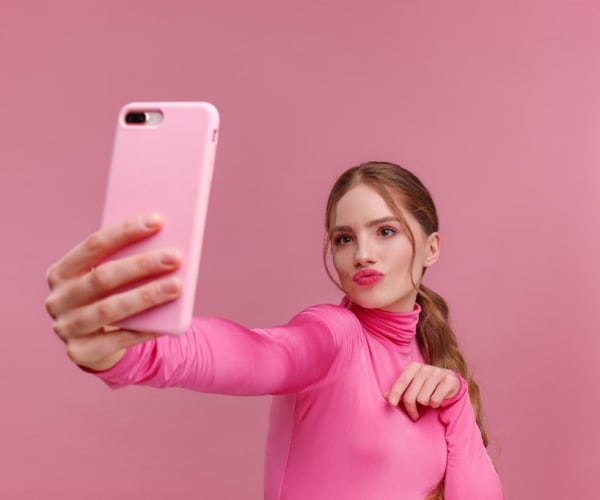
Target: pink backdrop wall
[{"x": 496, "y": 107}]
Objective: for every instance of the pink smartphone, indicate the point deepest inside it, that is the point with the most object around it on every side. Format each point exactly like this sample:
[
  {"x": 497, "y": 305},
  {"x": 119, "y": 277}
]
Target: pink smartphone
[{"x": 162, "y": 161}]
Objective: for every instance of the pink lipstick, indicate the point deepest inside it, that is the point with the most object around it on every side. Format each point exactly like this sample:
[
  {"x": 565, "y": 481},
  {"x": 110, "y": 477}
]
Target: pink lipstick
[{"x": 367, "y": 277}]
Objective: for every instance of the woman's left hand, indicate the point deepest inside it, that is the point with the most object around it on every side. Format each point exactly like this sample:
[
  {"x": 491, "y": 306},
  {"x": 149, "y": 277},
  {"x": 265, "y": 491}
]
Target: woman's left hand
[{"x": 427, "y": 385}]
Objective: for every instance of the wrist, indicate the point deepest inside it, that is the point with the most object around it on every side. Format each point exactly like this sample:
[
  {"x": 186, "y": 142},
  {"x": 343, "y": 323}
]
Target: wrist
[{"x": 105, "y": 364}]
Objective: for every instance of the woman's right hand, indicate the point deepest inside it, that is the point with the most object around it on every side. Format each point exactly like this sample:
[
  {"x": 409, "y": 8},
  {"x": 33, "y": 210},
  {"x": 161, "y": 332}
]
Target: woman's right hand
[{"x": 83, "y": 301}]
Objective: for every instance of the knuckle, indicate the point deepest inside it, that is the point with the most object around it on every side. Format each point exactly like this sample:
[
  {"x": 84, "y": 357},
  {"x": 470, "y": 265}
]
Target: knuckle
[
  {"x": 105, "y": 312},
  {"x": 94, "y": 243},
  {"x": 99, "y": 277},
  {"x": 147, "y": 296},
  {"x": 51, "y": 277},
  {"x": 416, "y": 366},
  {"x": 51, "y": 305},
  {"x": 423, "y": 400},
  {"x": 72, "y": 351},
  {"x": 60, "y": 329},
  {"x": 434, "y": 403}
]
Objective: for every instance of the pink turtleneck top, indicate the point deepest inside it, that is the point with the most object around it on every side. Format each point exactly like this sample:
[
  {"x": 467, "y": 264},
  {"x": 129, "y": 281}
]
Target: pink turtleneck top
[{"x": 332, "y": 434}]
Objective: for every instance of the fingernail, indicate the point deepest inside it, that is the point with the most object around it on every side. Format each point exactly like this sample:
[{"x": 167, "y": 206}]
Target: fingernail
[
  {"x": 170, "y": 258},
  {"x": 394, "y": 401},
  {"x": 170, "y": 287},
  {"x": 152, "y": 221}
]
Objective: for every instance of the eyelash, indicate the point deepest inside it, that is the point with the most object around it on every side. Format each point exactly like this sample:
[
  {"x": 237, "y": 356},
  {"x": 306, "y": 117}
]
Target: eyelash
[
  {"x": 388, "y": 228},
  {"x": 337, "y": 241}
]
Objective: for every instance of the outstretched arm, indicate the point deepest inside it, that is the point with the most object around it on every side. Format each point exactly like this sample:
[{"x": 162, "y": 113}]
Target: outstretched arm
[
  {"x": 220, "y": 356},
  {"x": 86, "y": 299}
]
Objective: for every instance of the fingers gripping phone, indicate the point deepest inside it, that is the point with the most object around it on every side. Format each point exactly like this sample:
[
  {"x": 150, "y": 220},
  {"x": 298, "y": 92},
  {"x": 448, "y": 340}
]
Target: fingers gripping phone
[{"x": 162, "y": 161}]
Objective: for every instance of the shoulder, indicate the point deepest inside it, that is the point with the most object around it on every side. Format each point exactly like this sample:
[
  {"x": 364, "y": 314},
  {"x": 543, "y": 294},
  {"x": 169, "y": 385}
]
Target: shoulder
[
  {"x": 338, "y": 328},
  {"x": 333, "y": 317}
]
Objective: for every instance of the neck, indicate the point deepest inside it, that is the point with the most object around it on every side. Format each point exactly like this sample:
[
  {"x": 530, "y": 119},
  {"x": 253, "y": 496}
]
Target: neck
[{"x": 399, "y": 328}]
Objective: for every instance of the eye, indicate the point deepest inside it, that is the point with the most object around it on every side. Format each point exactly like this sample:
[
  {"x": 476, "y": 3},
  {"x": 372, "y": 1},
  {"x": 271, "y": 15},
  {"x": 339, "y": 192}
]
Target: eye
[
  {"x": 387, "y": 231},
  {"x": 342, "y": 239}
]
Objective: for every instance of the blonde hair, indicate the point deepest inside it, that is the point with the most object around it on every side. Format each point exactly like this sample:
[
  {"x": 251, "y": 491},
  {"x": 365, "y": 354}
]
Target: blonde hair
[{"x": 435, "y": 337}]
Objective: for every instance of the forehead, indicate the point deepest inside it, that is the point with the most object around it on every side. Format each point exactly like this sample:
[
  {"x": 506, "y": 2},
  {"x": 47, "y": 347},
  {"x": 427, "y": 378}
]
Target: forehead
[{"x": 361, "y": 204}]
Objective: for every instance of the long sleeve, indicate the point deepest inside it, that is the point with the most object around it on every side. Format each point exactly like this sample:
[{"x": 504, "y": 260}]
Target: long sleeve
[
  {"x": 220, "y": 356},
  {"x": 470, "y": 473}
]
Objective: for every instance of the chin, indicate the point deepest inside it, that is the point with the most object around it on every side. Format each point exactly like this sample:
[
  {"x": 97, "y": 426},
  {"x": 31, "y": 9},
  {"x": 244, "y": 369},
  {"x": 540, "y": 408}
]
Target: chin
[
  {"x": 365, "y": 304},
  {"x": 368, "y": 302},
  {"x": 373, "y": 301}
]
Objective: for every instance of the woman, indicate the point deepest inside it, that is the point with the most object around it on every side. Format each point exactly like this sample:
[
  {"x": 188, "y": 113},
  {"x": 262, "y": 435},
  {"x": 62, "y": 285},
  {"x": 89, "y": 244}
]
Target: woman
[{"x": 337, "y": 428}]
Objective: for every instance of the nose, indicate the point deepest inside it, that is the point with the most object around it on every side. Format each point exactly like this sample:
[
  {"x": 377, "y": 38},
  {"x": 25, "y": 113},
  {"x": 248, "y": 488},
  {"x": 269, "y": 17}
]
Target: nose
[{"x": 364, "y": 255}]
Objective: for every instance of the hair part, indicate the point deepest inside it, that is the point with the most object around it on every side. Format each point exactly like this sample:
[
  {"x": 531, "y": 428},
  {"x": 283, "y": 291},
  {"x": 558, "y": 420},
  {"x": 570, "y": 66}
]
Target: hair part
[{"x": 435, "y": 336}]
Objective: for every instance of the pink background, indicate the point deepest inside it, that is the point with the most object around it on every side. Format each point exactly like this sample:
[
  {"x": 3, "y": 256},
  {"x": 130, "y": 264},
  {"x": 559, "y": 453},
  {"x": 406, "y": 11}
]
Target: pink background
[{"x": 494, "y": 104}]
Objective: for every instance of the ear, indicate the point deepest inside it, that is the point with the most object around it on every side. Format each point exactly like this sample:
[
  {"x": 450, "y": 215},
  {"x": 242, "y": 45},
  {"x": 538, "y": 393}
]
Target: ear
[{"x": 432, "y": 249}]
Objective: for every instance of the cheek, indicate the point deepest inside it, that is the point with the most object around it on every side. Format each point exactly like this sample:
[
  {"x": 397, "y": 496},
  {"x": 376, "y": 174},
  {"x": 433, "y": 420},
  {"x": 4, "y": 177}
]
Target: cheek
[
  {"x": 417, "y": 269},
  {"x": 399, "y": 254},
  {"x": 420, "y": 256},
  {"x": 337, "y": 261},
  {"x": 340, "y": 262}
]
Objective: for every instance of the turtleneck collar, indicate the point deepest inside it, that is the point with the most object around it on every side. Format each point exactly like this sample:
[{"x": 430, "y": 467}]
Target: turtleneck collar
[{"x": 398, "y": 328}]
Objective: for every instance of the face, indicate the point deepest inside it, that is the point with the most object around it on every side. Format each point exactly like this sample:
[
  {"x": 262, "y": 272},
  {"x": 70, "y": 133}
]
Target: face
[{"x": 371, "y": 251}]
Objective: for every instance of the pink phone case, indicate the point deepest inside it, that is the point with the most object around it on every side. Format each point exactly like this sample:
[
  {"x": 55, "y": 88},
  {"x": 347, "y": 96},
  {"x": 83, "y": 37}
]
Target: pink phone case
[{"x": 165, "y": 167}]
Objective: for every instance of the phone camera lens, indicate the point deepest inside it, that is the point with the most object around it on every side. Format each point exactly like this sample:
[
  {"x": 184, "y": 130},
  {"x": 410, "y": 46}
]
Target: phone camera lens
[{"x": 135, "y": 117}]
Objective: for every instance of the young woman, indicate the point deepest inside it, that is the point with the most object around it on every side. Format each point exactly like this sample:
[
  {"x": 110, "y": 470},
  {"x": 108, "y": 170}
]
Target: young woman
[{"x": 373, "y": 399}]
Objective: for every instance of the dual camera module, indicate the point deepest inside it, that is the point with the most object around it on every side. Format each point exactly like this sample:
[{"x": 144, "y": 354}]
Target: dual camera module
[{"x": 139, "y": 117}]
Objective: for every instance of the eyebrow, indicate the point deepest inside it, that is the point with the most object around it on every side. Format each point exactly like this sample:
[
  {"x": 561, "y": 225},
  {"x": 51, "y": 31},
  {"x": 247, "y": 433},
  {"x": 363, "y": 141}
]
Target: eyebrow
[{"x": 369, "y": 224}]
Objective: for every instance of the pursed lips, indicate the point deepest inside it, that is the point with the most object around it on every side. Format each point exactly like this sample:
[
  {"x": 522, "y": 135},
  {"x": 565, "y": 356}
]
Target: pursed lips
[{"x": 367, "y": 277}]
